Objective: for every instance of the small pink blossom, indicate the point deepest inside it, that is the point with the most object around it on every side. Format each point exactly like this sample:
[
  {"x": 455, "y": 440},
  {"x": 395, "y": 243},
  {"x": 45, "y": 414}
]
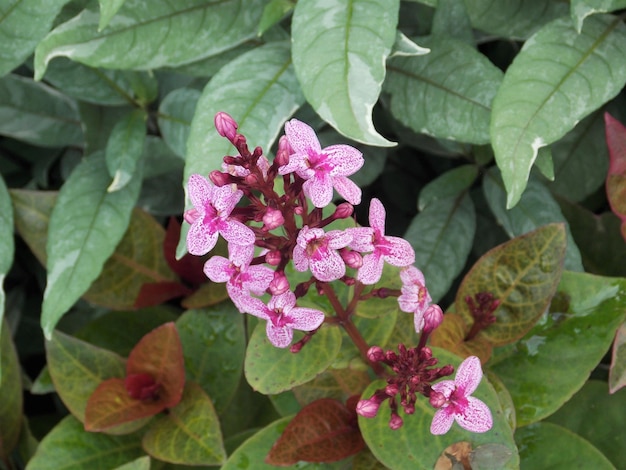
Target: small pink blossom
[
  {"x": 415, "y": 298},
  {"x": 317, "y": 250},
  {"x": 226, "y": 126},
  {"x": 394, "y": 250},
  {"x": 283, "y": 317},
  {"x": 239, "y": 276},
  {"x": 368, "y": 408},
  {"x": 324, "y": 168},
  {"x": 211, "y": 215},
  {"x": 272, "y": 219},
  {"x": 454, "y": 401},
  {"x": 430, "y": 319}
]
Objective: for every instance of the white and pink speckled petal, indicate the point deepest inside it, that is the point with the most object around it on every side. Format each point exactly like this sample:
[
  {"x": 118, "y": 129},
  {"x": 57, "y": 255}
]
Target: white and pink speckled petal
[
  {"x": 200, "y": 238},
  {"x": 372, "y": 269},
  {"x": 217, "y": 269},
  {"x": 236, "y": 232},
  {"x": 297, "y": 163},
  {"x": 225, "y": 199},
  {"x": 411, "y": 275},
  {"x": 306, "y": 319},
  {"x": 319, "y": 189},
  {"x": 345, "y": 160},
  {"x": 279, "y": 336},
  {"x": 253, "y": 306},
  {"x": 300, "y": 260},
  {"x": 468, "y": 375},
  {"x": 347, "y": 189},
  {"x": 362, "y": 239},
  {"x": 475, "y": 417},
  {"x": 199, "y": 190},
  {"x": 283, "y": 302},
  {"x": 338, "y": 238},
  {"x": 240, "y": 255},
  {"x": 400, "y": 252},
  {"x": 329, "y": 268},
  {"x": 442, "y": 421},
  {"x": 260, "y": 278},
  {"x": 447, "y": 387},
  {"x": 377, "y": 216},
  {"x": 301, "y": 137}
]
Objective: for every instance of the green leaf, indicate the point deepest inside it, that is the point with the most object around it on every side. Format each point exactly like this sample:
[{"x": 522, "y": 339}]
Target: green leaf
[
  {"x": 450, "y": 184},
  {"x": 554, "y": 360},
  {"x": 124, "y": 148},
  {"x": 617, "y": 372},
  {"x": 7, "y": 246},
  {"x": 32, "y": 213},
  {"x": 558, "y": 75},
  {"x": 397, "y": 449},
  {"x": 339, "y": 52},
  {"x": 616, "y": 178},
  {"x": 581, "y": 9},
  {"x": 446, "y": 93},
  {"x": 273, "y": 12},
  {"x": 259, "y": 90},
  {"x": 546, "y": 445},
  {"x": 189, "y": 434},
  {"x": 77, "y": 368},
  {"x": 11, "y": 393},
  {"x": 536, "y": 208},
  {"x": 69, "y": 446},
  {"x": 581, "y": 160},
  {"x": 176, "y": 112},
  {"x": 214, "y": 344},
  {"x": 85, "y": 226},
  {"x": 146, "y": 36},
  {"x": 141, "y": 463},
  {"x": 23, "y": 23},
  {"x": 515, "y": 19},
  {"x": 37, "y": 114},
  {"x": 442, "y": 236},
  {"x": 271, "y": 370},
  {"x": 404, "y": 47},
  {"x": 451, "y": 19},
  {"x": 523, "y": 275},
  {"x": 108, "y": 9},
  {"x": 544, "y": 163},
  {"x": 595, "y": 415}
]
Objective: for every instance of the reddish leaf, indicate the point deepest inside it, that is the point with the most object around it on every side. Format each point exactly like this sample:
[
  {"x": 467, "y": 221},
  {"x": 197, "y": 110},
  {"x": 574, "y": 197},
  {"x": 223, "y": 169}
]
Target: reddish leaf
[
  {"x": 616, "y": 179},
  {"x": 617, "y": 372},
  {"x": 189, "y": 267},
  {"x": 110, "y": 405},
  {"x": 451, "y": 335},
  {"x": 323, "y": 431},
  {"x": 155, "y": 293},
  {"x": 160, "y": 354}
]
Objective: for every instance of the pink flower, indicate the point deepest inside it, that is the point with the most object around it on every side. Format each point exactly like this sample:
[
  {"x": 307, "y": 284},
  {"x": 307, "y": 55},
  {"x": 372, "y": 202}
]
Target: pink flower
[
  {"x": 415, "y": 298},
  {"x": 226, "y": 126},
  {"x": 211, "y": 215},
  {"x": 394, "y": 250},
  {"x": 322, "y": 169},
  {"x": 317, "y": 250},
  {"x": 430, "y": 319},
  {"x": 453, "y": 399},
  {"x": 283, "y": 317},
  {"x": 236, "y": 272}
]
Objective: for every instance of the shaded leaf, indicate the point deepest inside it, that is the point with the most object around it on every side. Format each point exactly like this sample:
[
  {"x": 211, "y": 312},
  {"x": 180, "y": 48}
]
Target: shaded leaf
[
  {"x": 214, "y": 344},
  {"x": 37, "y": 114},
  {"x": 339, "y": 384},
  {"x": 551, "y": 85},
  {"x": 23, "y": 23},
  {"x": 550, "y": 446},
  {"x": 452, "y": 183},
  {"x": 189, "y": 434},
  {"x": 451, "y": 19},
  {"x": 86, "y": 224},
  {"x": 616, "y": 179},
  {"x": 32, "y": 213},
  {"x": 142, "y": 463},
  {"x": 339, "y": 52},
  {"x": 124, "y": 148},
  {"x": 156, "y": 293},
  {"x": 535, "y": 208},
  {"x": 176, "y": 112},
  {"x": 523, "y": 274},
  {"x": 11, "y": 393},
  {"x": 617, "y": 373},
  {"x": 323, "y": 431},
  {"x": 7, "y": 248},
  {"x": 451, "y": 334},
  {"x": 146, "y": 36},
  {"x": 581, "y": 9},
  {"x": 273, "y": 12},
  {"x": 442, "y": 236},
  {"x": 68, "y": 446},
  {"x": 554, "y": 360},
  {"x": 272, "y": 370},
  {"x": 108, "y": 9},
  {"x": 446, "y": 93}
]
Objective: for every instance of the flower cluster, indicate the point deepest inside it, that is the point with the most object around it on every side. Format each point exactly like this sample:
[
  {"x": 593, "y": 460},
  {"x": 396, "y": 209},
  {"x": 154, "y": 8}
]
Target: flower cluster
[{"x": 288, "y": 227}]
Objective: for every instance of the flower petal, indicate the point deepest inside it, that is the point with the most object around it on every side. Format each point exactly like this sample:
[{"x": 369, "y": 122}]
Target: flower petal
[
  {"x": 236, "y": 232},
  {"x": 411, "y": 275},
  {"x": 347, "y": 189},
  {"x": 442, "y": 421},
  {"x": 399, "y": 252},
  {"x": 344, "y": 159},
  {"x": 447, "y": 387},
  {"x": 279, "y": 336},
  {"x": 306, "y": 319},
  {"x": 328, "y": 268},
  {"x": 362, "y": 239},
  {"x": 468, "y": 375},
  {"x": 338, "y": 238},
  {"x": 283, "y": 302},
  {"x": 476, "y": 417},
  {"x": 377, "y": 216},
  {"x": 258, "y": 278},
  {"x": 200, "y": 238},
  {"x": 300, "y": 261},
  {"x": 240, "y": 255},
  {"x": 254, "y": 306},
  {"x": 319, "y": 189},
  {"x": 225, "y": 199},
  {"x": 418, "y": 320},
  {"x": 200, "y": 190},
  {"x": 217, "y": 269},
  {"x": 301, "y": 137},
  {"x": 372, "y": 269}
]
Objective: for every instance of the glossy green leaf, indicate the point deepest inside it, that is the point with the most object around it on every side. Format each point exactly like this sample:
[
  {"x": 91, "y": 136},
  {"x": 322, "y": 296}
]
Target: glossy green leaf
[
  {"x": 339, "y": 384},
  {"x": 375, "y": 307},
  {"x": 597, "y": 416},
  {"x": 145, "y": 36},
  {"x": 23, "y": 23},
  {"x": 451, "y": 19},
  {"x": 442, "y": 236},
  {"x": 189, "y": 434},
  {"x": 141, "y": 463},
  {"x": 175, "y": 115},
  {"x": 11, "y": 393},
  {"x": 69, "y": 446},
  {"x": 580, "y": 160},
  {"x": 124, "y": 148},
  {"x": 85, "y": 226},
  {"x": 270, "y": 370},
  {"x": 214, "y": 344},
  {"x": 554, "y": 82},
  {"x": 339, "y": 52},
  {"x": 523, "y": 275},
  {"x": 397, "y": 449},
  {"x": 544, "y": 163},
  {"x": 7, "y": 247},
  {"x": 617, "y": 372},
  {"x": 546, "y": 445},
  {"x": 516, "y": 19},
  {"x": 77, "y": 368},
  {"x": 446, "y": 93},
  {"x": 535, "y": 208},
  {"x": 259, "y": 90},
  {"x": 450, "y": 184},
  {"x": 273, "y": 12},
  {"x": 32, "y": 213},
  {"x": 550, "y": 363},
  {"x": 108, "y": 9},
  {"x": 581, "y": 9},
  {"x": 37, "y": 114},
  {"x": 404, "y": 47}
]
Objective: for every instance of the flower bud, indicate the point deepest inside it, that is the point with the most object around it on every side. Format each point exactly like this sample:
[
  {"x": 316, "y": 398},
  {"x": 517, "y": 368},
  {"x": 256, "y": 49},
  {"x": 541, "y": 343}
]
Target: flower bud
[
  {"x": 273, "y": 219},
  {"x": 409, "y": 408},
  {"x": 343, "y": 211},
  {"x": 191, "y": 216},
  {"x": 251, "y": 180},
  {"x": 375, "y": 354},
  {"x": 226, "y": 126},
  {"x": 273, "y": 257},
  {"x": 284, "y": 150},
  {"x": 279, "y": 284},
  {"x": 298, "y": 210},
  {"x": 352, "y": 258},
  {"x": 395, "y": 422},
  {"x": 437, "y": 399},
  {"x": 367, "y": 408},
  {"x": 219, "y": 178},
  {"x": 392, "y": 390},
  {"x": 433, "y": 316}
]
